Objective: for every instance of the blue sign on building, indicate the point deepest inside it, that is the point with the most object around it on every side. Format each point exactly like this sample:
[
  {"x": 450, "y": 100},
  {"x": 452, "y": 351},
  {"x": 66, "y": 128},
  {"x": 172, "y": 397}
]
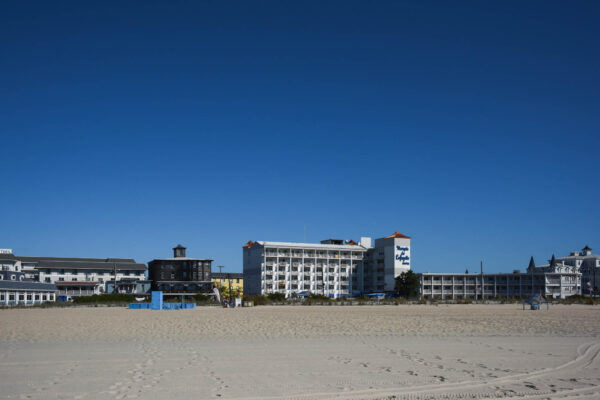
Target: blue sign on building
[{"x": 405, "y": 258}]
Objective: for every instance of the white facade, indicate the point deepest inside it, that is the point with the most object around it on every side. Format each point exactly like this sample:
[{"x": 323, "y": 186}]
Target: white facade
[
  {"x": 333, "y": 268},
  {"x": 389, "y": 258},
  {"x": 560, "y": 278},
  {"x": 74, "y": 276},
  {"x": 25, "y": 294},
  {"x": 515, "y": 285},
  {"x": 292, "y": 268},
  {"x": 589, "y": 266}
]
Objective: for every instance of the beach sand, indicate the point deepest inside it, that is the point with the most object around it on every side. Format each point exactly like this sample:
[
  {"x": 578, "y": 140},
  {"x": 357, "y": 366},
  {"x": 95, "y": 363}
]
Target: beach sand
[{"x": 296, "y": 352}]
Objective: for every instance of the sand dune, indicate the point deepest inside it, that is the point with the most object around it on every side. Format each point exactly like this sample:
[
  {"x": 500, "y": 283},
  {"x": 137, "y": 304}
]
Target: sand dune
[{"x": 330, "y": 352}]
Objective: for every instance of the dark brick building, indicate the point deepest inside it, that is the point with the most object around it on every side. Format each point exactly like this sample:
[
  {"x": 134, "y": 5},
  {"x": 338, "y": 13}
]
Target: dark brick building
[{"x": 180, "y": 273}]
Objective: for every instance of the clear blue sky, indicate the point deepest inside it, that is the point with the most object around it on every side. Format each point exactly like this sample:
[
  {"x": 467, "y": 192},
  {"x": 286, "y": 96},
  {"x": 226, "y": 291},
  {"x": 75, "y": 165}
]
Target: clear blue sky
[{"x": 127, "y": 128}]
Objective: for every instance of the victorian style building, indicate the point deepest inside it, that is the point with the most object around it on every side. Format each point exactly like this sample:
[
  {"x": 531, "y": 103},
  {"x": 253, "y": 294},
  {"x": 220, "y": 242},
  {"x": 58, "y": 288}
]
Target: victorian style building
[{"x": 180, "y": 273}]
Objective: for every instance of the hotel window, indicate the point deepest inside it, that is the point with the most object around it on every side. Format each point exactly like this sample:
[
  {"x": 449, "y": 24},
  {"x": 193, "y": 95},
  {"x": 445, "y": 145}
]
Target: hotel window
[
  {"x": 47, "y": 280},
  {"x": 61, "y": 279},
  {"x": 1, "y": 296},
  {"x": 29, "y": 296},
  {"x": 172, "y": 275},
  {"x": 37, "y": 296},
  {"x": 21, "y": 297},
  {"x": 12, "y": 277}
]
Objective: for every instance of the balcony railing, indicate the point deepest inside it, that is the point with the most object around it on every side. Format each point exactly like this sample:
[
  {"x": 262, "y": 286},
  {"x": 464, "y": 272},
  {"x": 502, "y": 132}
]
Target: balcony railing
[{"x": 76, "y": 292}]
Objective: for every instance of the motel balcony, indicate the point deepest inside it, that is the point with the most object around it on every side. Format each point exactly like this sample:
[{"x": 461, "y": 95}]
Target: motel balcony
[{"x": 76, "y": 292}]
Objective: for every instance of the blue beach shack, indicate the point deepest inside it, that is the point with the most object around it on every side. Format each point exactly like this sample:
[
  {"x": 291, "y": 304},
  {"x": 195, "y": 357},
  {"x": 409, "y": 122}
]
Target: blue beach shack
[{"x": 157, "y": 303}]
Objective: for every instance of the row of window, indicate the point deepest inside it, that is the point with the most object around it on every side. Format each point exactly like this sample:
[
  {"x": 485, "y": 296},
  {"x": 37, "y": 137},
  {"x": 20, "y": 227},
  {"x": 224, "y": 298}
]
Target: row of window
[
  {"x": 26, "y": 296},
  {"x": 194, "y": 275}
]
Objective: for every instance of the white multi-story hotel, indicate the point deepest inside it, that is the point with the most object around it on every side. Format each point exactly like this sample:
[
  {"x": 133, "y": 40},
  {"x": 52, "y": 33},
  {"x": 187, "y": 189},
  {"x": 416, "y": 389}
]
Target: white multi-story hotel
[
  {"x": 333, "y": 268},
  {"x": 560, "y": 278}
]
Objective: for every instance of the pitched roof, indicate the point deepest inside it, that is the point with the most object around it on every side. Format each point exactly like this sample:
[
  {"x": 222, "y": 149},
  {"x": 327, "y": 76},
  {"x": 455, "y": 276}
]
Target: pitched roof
[
  {"x": 249, "y": 244},
  {"x": 37, "y": 259},
  {"x": 352, "y": 243},
  {"x": 51, "y": 264},
  {"x": 178, "y": 247},
  {"x": 315, "y": 246},
  {"x": 398, "y": 235},
  {"x": 26, "y": 285}
]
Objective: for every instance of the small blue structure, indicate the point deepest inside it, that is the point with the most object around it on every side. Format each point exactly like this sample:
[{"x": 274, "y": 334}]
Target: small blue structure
[
  {"x": 157, "y": 303},
  {"x": 157, "y": 300}
]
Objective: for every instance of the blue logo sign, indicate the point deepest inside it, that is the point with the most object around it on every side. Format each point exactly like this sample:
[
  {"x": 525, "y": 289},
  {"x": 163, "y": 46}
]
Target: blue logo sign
[{"x": 402, "y": 256}]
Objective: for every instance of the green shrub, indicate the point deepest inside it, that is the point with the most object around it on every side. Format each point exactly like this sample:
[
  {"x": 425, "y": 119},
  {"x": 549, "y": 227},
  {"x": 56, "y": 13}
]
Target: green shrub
[
  {"x": 258, "y": 300},
  {"x": 578, "y": 299},
  {"x": 200, "y": 298},
  {"x": 105, "y": 298},
  {"x": 277, "y": 297}
]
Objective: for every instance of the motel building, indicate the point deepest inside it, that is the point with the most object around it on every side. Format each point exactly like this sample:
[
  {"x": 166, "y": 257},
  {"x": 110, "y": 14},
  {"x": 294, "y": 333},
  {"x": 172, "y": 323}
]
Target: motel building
[
  {"x": 333, "y": 268},
  {"x": 559, "y": 279}
]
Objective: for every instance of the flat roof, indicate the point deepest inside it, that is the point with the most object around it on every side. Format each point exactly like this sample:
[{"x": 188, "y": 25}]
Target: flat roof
[
  {"x": 182, "y": 259},
  {"x": 316, "y": 246}
]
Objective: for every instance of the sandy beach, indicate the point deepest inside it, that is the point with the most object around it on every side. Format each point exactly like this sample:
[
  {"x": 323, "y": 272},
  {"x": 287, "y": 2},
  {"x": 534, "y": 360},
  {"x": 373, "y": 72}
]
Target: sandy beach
[{"x": 319, "y": 352}]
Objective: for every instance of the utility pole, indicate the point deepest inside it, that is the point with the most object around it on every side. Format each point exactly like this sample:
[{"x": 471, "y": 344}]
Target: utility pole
[
  {"x": 220, "y": 274},
  {"x": 229, "y": 281},
  {"x": 116, "y": 288},
  {"x": 482, "y": 284}
]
